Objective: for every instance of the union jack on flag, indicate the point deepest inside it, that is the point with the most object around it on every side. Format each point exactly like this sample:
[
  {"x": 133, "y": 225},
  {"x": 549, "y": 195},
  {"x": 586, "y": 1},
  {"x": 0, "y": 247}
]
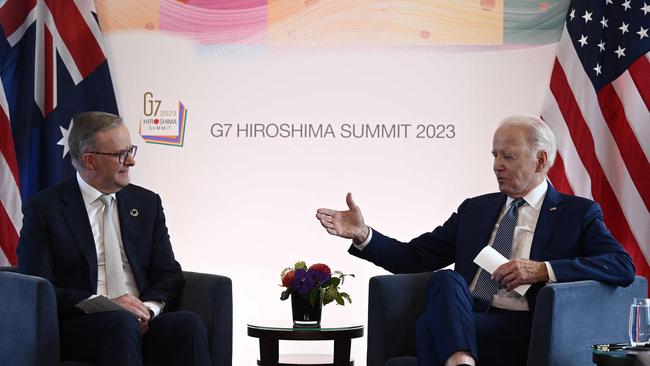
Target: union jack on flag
[
  {"x": 597, "y": 106},
  {"x": 52, "y": 66}
]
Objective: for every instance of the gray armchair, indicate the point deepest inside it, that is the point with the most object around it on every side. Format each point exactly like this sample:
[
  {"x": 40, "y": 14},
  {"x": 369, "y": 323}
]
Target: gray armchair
[
  {"x": 30, "y": 333},
  {"x": 569, "y": 318}
]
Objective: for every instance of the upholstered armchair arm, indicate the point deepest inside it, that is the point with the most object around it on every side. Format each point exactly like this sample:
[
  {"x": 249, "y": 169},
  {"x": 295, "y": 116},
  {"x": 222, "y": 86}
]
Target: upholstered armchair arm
[
  {"x": 29, "y": 329},
  {"x": 571, "y": 317},
  {"x": 210, "y": 296},
  {"x": 394, "y": 304}
]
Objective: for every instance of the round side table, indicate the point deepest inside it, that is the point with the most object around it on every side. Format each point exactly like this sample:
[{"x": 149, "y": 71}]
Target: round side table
[
  {"x": 270, "y": 335},
  {"x": 617, "y": 354}
]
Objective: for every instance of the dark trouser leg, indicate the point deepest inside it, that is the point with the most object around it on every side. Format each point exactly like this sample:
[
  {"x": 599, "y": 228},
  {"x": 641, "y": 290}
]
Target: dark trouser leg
[
  {"x": 452, "y": 322},
  {"x": 447, "y": 325},
  {"x": 503, "y": 337},
  {"x": 107, "y": 338},
  {"x": 177, "y": 338}
]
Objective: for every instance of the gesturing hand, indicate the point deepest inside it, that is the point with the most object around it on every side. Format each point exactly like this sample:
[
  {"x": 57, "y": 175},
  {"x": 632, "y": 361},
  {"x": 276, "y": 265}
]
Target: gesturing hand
[
  {"x": 347, "y": 224},
  {"x": 520, "y": 272}
]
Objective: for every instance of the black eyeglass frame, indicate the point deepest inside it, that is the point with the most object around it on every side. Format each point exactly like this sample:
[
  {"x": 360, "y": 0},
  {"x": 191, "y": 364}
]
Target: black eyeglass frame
[{"x": 121, "y": 155}]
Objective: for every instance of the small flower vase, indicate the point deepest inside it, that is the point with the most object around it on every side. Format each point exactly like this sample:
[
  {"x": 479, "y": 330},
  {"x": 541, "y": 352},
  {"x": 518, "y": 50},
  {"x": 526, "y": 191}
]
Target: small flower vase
[{"x": 304, "y": 314}]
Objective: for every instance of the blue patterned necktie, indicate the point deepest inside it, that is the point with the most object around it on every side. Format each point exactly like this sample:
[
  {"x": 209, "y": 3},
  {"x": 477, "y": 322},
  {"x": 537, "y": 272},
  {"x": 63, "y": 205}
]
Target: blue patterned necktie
[{"x": 486, "y": 287}]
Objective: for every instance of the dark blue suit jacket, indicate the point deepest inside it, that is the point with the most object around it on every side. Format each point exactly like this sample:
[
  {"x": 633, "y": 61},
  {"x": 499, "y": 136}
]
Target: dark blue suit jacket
[
  {"x": 570, "y": 234},
  {"x": 56, "y": 243}
]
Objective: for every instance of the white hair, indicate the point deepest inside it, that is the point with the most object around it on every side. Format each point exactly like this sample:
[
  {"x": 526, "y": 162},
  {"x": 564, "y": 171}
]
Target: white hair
[{"x": 540, "y": 136}]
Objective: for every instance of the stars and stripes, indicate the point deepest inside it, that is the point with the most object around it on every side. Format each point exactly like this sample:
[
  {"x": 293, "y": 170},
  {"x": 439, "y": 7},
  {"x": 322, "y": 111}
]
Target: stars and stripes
[{"x": 598, "y": 107}]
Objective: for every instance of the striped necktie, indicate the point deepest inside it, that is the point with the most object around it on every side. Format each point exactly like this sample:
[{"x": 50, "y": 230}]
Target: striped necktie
[{"x": 486, "y": 287}]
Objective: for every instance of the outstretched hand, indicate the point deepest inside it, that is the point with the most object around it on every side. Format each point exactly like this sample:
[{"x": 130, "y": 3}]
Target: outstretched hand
[{"x": 346, "y": 224}]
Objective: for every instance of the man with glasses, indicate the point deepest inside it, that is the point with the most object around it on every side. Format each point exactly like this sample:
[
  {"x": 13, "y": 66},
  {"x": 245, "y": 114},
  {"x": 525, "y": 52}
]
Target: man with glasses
[{"x": 97, "y": 234}]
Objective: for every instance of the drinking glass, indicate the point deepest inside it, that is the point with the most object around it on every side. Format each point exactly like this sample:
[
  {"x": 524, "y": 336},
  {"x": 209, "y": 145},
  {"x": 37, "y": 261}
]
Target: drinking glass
[{"x": 639, "y": 322}]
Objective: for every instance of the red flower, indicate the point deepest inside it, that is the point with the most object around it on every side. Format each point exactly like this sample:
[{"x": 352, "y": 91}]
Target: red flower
[
  {"x": 288, "y": 278},
  {"x": 320, "y": 267}
]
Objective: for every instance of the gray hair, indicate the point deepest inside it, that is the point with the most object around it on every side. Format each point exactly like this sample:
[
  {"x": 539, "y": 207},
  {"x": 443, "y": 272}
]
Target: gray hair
[
  {"x": 540, "y": 136},
  {"x": 84, "y": 132}
]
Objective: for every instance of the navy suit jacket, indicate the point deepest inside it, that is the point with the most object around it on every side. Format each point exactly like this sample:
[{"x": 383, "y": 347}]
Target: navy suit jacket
[
  {"x": 570, "y": 234},
  {"x": 56, "y": 243}
]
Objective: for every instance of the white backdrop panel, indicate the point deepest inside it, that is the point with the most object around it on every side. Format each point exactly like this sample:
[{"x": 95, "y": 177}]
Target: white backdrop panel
[{"x": 244, "y": 207}]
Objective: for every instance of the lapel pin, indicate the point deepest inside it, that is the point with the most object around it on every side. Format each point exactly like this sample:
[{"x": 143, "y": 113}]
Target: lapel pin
[
  {"x": 134, "y": 212},
  {"x": 552, "y": 209}
]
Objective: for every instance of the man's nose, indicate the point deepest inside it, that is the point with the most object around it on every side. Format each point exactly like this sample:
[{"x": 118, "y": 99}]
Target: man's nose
[
  {"x": 497, "y": 164},
  {"x": 130, "y": 160}
]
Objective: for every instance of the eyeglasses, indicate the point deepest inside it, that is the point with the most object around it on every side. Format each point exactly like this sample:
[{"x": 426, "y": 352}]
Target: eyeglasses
[{"x": 121, "y": 155}]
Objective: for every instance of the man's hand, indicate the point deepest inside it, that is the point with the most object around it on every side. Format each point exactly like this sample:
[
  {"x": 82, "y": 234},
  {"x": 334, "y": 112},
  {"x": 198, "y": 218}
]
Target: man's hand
[
  {"x": 347, "y": 224},
  {"x": 520, "y": 272},
  {"x": 135, "y": 306},
  {"x": 144, "y": 326}
]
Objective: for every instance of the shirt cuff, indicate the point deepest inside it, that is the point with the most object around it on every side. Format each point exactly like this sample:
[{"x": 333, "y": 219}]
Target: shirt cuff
[
  {"x": 361, "y": 246},
  {"x": 155, "y": 306},
  {"x": 551, "y": 274}
]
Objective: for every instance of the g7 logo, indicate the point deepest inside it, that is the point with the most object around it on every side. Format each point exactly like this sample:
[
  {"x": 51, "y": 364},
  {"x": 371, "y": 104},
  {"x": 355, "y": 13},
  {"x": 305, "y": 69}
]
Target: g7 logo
[{"x": 151, "y": 105}]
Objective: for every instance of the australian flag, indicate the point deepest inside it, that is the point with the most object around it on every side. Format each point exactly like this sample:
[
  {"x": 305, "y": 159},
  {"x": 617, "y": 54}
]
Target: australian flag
[{"x": 52, "y": 66}]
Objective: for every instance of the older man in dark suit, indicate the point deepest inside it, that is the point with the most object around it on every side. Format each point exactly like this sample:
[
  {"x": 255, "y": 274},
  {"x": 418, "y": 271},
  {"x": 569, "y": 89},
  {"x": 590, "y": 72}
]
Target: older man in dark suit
[
  {"x": 547, "y": 236},
  {"x": 97, "y": 234}
]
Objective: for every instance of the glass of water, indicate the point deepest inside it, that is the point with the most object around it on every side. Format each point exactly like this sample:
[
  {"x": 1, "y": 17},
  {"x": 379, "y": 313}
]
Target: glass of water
[{"x": 639, "y": 322}]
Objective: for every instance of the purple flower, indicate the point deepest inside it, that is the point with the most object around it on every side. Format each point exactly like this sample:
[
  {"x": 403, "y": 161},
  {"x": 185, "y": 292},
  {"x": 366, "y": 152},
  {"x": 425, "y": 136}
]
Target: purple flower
[
  {"x": 305, "y": 281},
  {"x": 318, "y": 276}
]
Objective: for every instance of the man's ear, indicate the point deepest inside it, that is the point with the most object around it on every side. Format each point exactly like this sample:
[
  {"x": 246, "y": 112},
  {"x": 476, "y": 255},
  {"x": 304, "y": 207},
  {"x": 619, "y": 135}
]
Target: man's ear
[
  {"x": 542, "y": 160},
  {"x": 88, "y": 161}
]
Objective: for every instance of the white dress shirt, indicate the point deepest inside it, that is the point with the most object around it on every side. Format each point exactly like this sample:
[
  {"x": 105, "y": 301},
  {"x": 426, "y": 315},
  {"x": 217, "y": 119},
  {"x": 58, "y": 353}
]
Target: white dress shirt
[
  {"x": 95, "y": 211},
  {"x": 521, "y": 244}
]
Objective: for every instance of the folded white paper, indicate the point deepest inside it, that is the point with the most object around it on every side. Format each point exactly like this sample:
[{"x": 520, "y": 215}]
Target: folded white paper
[
  {"x": 489, "y": 259},
  {"x": 98, "y": 304}
]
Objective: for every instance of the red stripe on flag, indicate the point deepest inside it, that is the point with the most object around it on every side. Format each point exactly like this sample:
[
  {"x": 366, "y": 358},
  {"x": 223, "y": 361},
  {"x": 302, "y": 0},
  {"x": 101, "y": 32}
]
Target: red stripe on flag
[
  {"x": 74, "y": 31},
  {"x": 48, "y": 73},
  {"x": 558, "y": 177},
  {"x": 13, "y": 14},
  {"x": 640, "y": 73},
  {"x": 632, "y": 153},
  {"x": 7, "y": 148},
  {"x": 8, "y": 237},
  {"x": 602, "y": 191}
]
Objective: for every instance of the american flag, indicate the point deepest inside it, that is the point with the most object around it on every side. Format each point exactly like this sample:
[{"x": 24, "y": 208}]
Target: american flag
[
  {"x": 598, "y": 107},
  {"x": 52, "y": 66}
]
